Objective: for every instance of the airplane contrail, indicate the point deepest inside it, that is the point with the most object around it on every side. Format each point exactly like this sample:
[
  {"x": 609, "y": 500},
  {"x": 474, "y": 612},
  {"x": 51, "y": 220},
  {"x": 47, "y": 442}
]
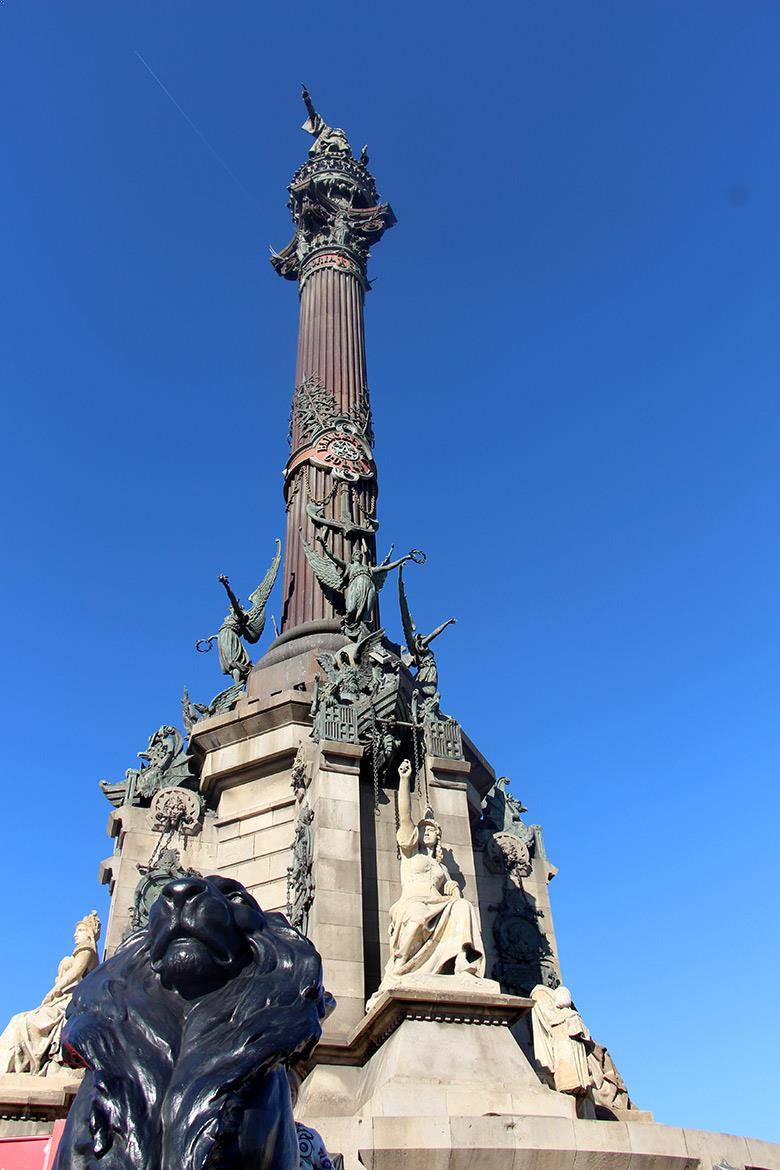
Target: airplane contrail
[{"x": 193, "y": 127}]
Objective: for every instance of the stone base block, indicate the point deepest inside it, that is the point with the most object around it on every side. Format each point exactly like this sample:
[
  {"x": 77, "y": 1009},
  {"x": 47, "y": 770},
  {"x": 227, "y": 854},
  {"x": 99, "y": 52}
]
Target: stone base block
[
  {"x": 436, "y": 998},
  {"x": 454, "y": 1069},
  {"x": 633, "y": 1115},
  {"x": 437, "y": 1069},
  {"x": 30, "y": 1104}
]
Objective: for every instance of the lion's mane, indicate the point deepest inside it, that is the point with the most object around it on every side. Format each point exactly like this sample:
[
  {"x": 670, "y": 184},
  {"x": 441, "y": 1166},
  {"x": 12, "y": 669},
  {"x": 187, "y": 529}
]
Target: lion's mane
[{"x": 198, "y": 1083}]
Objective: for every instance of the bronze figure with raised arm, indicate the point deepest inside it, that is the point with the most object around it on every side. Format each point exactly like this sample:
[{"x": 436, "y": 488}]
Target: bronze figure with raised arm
[
  {"x": 327, "y": 139},
  {"x": 242, "y": 623},
  {"x": 356, "y": 580},
  {"x": 426, "y": 683}
]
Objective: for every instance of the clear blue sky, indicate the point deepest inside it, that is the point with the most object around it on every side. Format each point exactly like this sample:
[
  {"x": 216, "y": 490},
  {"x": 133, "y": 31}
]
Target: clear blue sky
[{"x": 574, "y": 363}]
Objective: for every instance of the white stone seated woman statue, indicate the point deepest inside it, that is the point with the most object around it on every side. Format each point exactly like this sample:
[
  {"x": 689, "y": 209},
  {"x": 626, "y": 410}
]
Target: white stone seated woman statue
[
  {"x": 31, "y": 1042},
  {"x": 433, "y": 929}
]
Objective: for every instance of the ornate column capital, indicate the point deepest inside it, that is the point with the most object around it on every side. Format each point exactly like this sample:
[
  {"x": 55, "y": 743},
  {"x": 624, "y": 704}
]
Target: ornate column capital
[{"x": 335, "y": 207}]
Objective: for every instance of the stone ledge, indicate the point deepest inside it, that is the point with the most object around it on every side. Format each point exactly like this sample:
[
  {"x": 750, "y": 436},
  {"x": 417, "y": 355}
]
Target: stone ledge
[
  {"x": 453, "y": 1005},
  {"x": 526, "y": 1142},
  {"x": 335, "y": 756},
  {"x": 24, "y": 1095},
  {"x": 248, "y": 719},
  {"x": 447, "y": 773},
  {"x": 107, "y": 872}
]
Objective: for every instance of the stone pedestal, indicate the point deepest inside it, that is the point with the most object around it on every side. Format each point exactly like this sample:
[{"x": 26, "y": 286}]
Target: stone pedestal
[
  {"x": 545, "y": 1143},
  {"x": 431, "y": 1045},
  {"x": 432, "y": 1049}
]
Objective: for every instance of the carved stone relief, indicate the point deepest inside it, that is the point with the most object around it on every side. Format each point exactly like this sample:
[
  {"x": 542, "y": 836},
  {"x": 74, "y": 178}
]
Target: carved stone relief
[
  {"x": 300, "y": 878},
  {"x": 176, "y": 810},
  {"x": 525, "y": 957},
  {"x": 609, "y": 1088},
  {"x": 173, "y": 812}
]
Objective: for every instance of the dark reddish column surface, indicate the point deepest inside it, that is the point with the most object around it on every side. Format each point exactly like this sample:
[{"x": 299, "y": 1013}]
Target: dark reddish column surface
[{"x": 331, "y": 346}]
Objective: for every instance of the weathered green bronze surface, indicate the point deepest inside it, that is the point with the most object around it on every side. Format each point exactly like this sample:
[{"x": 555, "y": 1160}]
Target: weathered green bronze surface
[
  {"x": 426, "y": 698},
  {"x": 164, "y": 764},
  {"x": 242, "y": 623},
  {"x": 524, "y": 955},
  {"x": 355, "y": 582},
  {"x": 300, "y": 879}
]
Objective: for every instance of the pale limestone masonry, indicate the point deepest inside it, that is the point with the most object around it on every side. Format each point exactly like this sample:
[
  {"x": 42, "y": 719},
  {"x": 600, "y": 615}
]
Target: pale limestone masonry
[
  {"x": 336, "y": 921},
  {"x": 247, "y": 760},
  {"x": 131, "y": 828}
]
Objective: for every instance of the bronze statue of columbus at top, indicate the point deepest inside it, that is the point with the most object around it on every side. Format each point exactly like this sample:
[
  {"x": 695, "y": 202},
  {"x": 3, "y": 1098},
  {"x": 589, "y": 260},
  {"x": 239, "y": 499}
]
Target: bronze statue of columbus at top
[
  {"x": 333, "y": 201},
  {"x": 330, "y": 477}
]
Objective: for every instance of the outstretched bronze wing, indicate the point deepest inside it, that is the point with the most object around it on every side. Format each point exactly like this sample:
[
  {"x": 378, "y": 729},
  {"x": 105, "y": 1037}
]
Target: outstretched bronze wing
[
  {"x": 366, "y": 644},
  {"x": 327, "y": 660},
  {"x": 406, "y": 618},
  {"x": 326, "y": 572},
  {"x": 255, "y": 618}
]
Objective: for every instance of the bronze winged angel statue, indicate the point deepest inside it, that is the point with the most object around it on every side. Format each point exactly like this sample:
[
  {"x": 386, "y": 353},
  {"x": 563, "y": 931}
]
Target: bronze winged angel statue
[
  {"x": 357, "y": 581},
  {"x": 242, "y": 623},
  {"x": 426, "y": 683}
]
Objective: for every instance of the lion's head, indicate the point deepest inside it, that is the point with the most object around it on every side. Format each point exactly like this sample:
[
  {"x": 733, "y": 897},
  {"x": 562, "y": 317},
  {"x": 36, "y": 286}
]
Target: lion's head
[
  {"x": 198, "y": 933},
  {"x": 185, "y": 1033}
]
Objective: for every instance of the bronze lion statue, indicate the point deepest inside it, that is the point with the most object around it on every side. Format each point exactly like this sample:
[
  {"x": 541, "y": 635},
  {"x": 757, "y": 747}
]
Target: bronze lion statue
[{"x": 186, "y": 1033}]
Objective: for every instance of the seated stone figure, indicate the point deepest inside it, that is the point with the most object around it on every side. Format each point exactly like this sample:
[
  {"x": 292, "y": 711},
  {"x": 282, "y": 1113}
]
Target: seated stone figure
[
  {"x": 609, "y": 1088},
  {"x": 561, "y": 1043},
  {"x": 31, "y": 1042},
  {"x": 433, "y": 929},
  {"x": 185, "y": 1033}
]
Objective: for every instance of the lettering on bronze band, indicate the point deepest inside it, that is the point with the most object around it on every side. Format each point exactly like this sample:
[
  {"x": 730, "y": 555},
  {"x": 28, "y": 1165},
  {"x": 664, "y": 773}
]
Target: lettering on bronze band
[{"x": 338, "y": 260}]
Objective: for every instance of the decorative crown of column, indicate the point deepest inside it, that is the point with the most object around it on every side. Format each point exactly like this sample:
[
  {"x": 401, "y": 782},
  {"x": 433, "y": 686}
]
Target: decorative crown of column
[{"x": 334, "y": 205}]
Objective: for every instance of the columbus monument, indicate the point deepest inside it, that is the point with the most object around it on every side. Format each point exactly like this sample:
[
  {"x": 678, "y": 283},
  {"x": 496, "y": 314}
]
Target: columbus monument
[{"x": 331, "y": 780}]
